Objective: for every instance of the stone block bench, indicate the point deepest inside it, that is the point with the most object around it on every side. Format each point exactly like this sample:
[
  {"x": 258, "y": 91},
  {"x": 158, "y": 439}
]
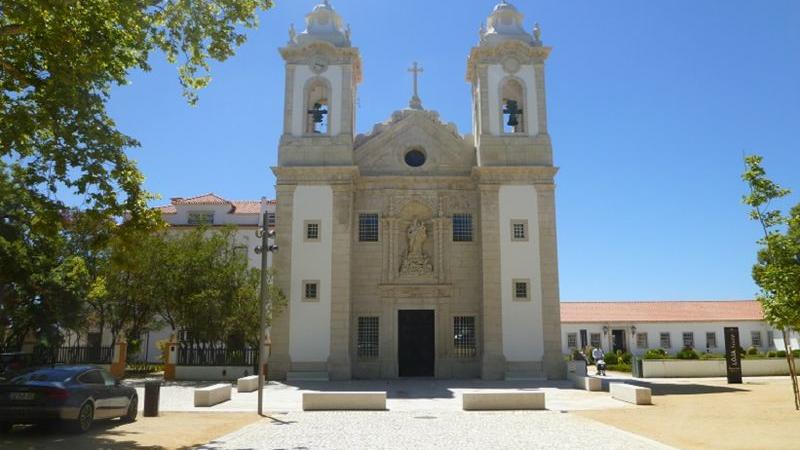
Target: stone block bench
[
  {"x": 588, "y": 383},
  {"x": 212, "y": 395},
  {"x": 629, "y": 393},
  {"x": 493, "y": 401},
  {"x": 247, "y": 384},
  {"x": 352, "y": 401}
]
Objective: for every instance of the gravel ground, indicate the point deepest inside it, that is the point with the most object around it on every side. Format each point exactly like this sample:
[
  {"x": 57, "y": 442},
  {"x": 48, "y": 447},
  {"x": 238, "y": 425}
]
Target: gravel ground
[{"x": 438, "y": 430}]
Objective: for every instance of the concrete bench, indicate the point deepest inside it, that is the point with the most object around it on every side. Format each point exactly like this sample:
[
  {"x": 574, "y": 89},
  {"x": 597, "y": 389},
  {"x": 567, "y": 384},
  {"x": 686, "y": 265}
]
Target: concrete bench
[
  {"x": 212, "y": 395},
  {"x": 629, "y": 393},
  {"x": 247, "y": 384},
  {"x": 492, "y": 401},
  {"x": 353, "y": 401},
  {"x": 588, "y": 383}
]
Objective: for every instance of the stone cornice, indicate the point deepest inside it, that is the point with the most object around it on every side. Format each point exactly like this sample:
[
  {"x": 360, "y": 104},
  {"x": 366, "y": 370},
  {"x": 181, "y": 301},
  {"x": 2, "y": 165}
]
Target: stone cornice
[
  {"x": 315, "y": 175},
  {"x": 415, "y": 290},
  {"x": 333, "y": 55},
  {"x": 515, "y": 175},
  {"x": 410, "y": 182},
  {"x": 522, "y": 52}
]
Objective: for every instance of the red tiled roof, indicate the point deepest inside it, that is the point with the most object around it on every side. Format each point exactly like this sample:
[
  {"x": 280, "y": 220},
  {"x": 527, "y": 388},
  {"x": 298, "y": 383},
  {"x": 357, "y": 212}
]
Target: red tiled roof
[
  {"x": 681, "y": 311},
  {"x": 237, "y": 206}
]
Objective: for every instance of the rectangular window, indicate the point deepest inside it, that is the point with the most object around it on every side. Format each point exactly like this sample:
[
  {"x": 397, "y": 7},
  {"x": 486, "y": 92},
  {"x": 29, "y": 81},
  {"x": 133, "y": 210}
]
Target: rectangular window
[
  {"x": 464, "y": 340},
  {"x": 688, "y": 339},
  {"x": 572, "y": 341},
  {"x": 311, "y": 290},
  {"x": 711, "y": 339},
  {"x": 755, "y": 338},
  {"x": 594, "y": 340},
  {"x": 368, "y": 227},
  {"x": 368, "y": 332},
  {"x": 462, "y": 227},
  {"x": 312, "y": 230},
  {"x": 201, "y": 218},
  {"x": 666, "y": 343},
  {"x": 270, "y": 219},
  {"x": 641, "y": 340},
  {"x": 521, "y": 289},
  {"x": 519, "y": 230}
]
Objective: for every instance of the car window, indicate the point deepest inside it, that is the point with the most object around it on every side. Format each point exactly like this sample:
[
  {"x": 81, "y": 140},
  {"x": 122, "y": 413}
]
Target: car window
[
  {"x": 52, "y": 375},
  {"x": 92, "y": 377},
  {"x": 108, "y": 378}
]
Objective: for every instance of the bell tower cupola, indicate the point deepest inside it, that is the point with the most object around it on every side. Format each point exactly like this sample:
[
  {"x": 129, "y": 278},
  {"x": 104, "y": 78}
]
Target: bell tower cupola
[
  {"x": 506, "y": 71},
  {"x": 323, "y": 71}
]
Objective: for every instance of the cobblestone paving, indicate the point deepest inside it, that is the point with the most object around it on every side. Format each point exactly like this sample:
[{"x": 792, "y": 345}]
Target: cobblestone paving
[{"x": 439, "y": 430}]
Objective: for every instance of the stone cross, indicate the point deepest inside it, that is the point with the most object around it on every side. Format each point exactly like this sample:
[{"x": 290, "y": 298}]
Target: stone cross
[{"x": 415, "y": 102}]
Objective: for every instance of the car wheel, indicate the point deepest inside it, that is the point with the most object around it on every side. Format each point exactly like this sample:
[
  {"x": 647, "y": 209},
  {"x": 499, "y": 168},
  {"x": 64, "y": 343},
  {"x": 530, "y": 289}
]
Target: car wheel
[
  {"x": 5, "y": 427},
  {"x": 85, "y": 419},
  {"x": 133, "y": 410}
]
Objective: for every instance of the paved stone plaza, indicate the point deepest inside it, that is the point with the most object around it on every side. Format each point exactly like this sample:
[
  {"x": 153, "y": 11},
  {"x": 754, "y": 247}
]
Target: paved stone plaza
[{"x": 434, "y": 430}]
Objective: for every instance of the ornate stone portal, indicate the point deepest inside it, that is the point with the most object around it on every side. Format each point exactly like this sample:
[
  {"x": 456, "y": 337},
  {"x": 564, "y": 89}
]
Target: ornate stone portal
[{"x": 416, "y": 262}]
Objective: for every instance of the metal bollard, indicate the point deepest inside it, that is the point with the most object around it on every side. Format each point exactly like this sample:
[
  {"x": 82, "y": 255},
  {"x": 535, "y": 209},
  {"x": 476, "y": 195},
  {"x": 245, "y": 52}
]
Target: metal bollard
[{"x": 152, "y": 389}]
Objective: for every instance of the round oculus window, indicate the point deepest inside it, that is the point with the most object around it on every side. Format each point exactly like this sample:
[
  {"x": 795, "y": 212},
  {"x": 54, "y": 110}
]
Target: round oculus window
[{"x": 415, "y": 158}]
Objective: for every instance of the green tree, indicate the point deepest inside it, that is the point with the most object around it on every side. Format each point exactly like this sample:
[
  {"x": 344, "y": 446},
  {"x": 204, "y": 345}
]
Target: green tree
[
  {"x": 777, "y": 270},
  {"x": 59, "y": 60}
]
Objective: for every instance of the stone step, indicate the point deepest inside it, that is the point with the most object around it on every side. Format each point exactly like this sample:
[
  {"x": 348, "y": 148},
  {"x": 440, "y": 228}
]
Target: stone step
[{"x": 307, "y": 376}]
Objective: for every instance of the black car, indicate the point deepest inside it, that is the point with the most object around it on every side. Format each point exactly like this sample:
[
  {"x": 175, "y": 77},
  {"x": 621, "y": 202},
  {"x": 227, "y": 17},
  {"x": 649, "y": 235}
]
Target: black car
[{"x": 76, "y": 395}]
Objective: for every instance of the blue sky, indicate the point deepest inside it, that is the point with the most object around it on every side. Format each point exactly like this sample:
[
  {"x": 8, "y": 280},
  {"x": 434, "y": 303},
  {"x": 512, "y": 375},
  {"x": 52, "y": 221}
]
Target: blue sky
[{"x": 651, "y": 106}]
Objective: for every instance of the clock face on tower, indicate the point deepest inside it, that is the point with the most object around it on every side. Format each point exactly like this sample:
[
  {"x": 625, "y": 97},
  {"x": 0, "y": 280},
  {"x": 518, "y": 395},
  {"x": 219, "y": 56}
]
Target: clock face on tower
[{"x": 319, "y": 66}]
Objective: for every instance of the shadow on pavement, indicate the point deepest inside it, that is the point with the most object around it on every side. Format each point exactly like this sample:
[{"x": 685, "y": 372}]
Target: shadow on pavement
[{"x": 661, "y": 388}]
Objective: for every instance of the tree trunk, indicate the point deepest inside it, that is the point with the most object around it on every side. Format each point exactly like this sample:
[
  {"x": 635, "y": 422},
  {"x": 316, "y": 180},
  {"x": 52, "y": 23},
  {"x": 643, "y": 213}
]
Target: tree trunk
[{"x": 792, "y": 368}]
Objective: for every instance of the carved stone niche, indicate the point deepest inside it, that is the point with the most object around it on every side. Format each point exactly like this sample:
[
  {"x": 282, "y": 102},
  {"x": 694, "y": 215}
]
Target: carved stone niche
[{"x": 412, "y": 240}]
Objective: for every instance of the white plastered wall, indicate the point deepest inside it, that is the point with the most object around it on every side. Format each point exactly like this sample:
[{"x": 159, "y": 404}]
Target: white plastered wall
[
  {"x": 676, "y": 330},
  {"x": 301, "y": 76},
  {"x": 527, "y": 75},
  {"x": 523, "y": 336},
  {"x": 310, "y": 322}
]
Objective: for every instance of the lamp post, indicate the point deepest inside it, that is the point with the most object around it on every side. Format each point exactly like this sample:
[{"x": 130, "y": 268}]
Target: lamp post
[{"x": 265, "y": 234}]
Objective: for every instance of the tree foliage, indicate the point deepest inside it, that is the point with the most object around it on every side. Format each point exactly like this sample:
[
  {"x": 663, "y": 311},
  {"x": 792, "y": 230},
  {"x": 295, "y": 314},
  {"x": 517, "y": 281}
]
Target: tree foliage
[
  {"x": 59, "y": 60},
  {"x": 777, "y": 269}
]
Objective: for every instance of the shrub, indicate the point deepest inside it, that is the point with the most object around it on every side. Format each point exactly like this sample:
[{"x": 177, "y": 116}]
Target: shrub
[
  {"x": 624, "y": 358},
  {"x": 781, "y": 353},
  {"x": 578, "y": 355},
  {"x": 611, "y": 359},
  {"x": 712, "y": 356},
  {"x": 772, "y": 354},
  {"x": 796, "y": 353},
  {"x": 655, "y": 353},
  {"x": 621, "y": 367},
  {"x": 752, "y": 351},
  {"x": 687, "y": 353}
]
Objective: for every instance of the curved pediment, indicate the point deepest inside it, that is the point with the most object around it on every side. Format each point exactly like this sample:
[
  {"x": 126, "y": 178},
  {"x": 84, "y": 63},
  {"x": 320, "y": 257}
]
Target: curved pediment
[{"x": 383, "y": 151}]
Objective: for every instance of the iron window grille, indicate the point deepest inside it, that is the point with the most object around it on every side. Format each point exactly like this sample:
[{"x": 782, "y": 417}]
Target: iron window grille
[
  {"x": 595, "y": 340},
  {"x": 312, "y": 231},
  {"x": 464, "y": 341},
  {"x": 368, "y": 332},
  {"x": 572, "y": 341},
  {"x": 520, "y": 290},
  {"x": 665, "y": 341},
  {"x": 201, "y": 218},
  {"x": 755, "y": 338},
  {"x": 311, "y": 291},
  {"x": 641, "y": 340},
  {"x": 688, "y": 339},
  {"x": 368, "y": 227},
  {"x": 519, "y": 230},
  {"x": 711, "y": 340},
  {"x": 462, "y": 228}
]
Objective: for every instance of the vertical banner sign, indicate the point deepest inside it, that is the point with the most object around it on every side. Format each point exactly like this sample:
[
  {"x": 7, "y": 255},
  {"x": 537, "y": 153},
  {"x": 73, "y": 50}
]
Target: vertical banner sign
[{"x": 733, "y": 358}]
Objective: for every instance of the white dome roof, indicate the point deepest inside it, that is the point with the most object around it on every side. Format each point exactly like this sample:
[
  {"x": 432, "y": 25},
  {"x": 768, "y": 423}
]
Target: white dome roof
[
  {"x": 504, "y": 24},
  {"x": 324, "y": 24}
]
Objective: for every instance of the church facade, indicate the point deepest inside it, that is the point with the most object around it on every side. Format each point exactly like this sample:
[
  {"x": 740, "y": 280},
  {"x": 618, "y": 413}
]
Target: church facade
[{"x": 414, "y": 250}]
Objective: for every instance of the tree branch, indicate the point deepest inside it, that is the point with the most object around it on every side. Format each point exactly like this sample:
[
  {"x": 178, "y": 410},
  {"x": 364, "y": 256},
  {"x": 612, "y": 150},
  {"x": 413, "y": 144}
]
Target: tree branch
[
  {"x": 18, "y": 75},
  {"x": 12, "y": 30}
]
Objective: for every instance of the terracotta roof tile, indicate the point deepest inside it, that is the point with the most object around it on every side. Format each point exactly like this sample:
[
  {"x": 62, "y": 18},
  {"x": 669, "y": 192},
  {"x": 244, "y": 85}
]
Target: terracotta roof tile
[
  {"x": 237, "y": 206},
  {"x": 246, "y": 207},
  {"x": 205, "y": 199},
  {"x": 668, "y": 311}
]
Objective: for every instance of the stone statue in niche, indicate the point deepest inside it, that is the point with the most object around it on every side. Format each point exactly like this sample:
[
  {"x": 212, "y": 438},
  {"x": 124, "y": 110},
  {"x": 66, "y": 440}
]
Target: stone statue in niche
[{"x": 415, "y": 261}]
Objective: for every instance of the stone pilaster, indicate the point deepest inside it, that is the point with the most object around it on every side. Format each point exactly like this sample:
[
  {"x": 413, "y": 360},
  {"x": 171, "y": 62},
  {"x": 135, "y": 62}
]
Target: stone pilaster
[
  {"x": 541, "y": 94},
  {"x": 339, "y": 367},
  {"x": 279, "y": 360},
  {"x": 551, "y": 310},
  {"x": 493, "y": 361}
]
